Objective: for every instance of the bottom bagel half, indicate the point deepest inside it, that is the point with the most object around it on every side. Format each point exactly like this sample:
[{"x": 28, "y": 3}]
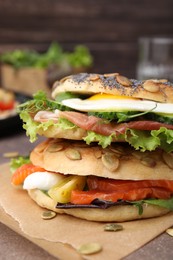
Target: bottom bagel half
[
  {"x": 88, "y": 182},
  {"x": 119, "y": 213}
]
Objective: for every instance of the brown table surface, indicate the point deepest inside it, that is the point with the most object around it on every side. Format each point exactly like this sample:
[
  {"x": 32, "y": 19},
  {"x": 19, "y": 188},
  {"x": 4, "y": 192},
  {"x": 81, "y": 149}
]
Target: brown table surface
[{"x": 14, "y": 246}]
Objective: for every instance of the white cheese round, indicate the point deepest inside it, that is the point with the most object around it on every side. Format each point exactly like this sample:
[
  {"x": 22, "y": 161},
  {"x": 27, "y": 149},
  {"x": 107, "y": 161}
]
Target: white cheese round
[{"x": 42, "y": 180}]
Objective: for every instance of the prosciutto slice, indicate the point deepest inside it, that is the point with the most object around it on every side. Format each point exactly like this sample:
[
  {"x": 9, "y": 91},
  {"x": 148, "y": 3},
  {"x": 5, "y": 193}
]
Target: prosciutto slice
[
  {"x": 44, "y": 116},
  {"x": 99, "y": 125}
]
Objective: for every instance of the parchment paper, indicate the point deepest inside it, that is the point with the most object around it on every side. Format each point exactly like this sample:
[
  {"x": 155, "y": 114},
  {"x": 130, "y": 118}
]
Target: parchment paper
[{"x": 73, "y": 231}]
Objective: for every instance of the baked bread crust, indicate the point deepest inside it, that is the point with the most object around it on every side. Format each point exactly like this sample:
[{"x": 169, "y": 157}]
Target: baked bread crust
[
  {"x": 115, "y": 162},
  {"x": 118, "y": 213},
  {"x": 115, "y": 84}
]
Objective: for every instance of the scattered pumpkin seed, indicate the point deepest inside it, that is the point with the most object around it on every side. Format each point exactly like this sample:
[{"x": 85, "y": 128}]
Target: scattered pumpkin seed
[
  {"x": 163, "y": 80},
  {"x": 73, "y": 154},
  {"x": 124, "y": 81},
  {"x": 110, "y": 161},
  {"x": 113, "y": 227},
  {"x": 48, "y": 214},
  {"x": 151, "y": 86},
  {"x": 41, "y": 147},
  {"x": 98, "y": 154},
  {"x": 94, "y": 77},
  {"x": 168, "y": 159},
  {"x": 148, "y": 161},
  {"x": 10, "y": 154},
  {"x": 55, "y": 148},
  {"x": 110, "y": 75},
  {"x": 169, "y": 231},
  {"x": 117, "y": 150},
  {"x": 89, "y": 248}
]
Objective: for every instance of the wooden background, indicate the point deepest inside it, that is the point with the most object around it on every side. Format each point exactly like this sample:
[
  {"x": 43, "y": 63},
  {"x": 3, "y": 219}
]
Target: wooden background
[{"x": 110, "y": 28}]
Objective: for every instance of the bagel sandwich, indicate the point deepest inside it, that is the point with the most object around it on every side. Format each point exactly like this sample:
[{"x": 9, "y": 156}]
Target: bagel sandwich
[
  {"x": 89, "y": 182},
  {"x": 104, "y": 109}
]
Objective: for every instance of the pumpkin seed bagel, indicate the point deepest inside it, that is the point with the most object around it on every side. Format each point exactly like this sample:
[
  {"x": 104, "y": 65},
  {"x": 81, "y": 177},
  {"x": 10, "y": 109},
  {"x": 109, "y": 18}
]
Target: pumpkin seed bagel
[
  {"x": 113, "y": 83},
  {"x": 109, "y": 156},
  {"x": 117, "y": 162},
  {"x": 104, "y": 108}
]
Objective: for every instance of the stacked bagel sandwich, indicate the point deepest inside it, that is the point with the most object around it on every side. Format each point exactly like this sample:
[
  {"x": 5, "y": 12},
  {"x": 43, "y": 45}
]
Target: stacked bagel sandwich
[{"x": 108, "y": 149}]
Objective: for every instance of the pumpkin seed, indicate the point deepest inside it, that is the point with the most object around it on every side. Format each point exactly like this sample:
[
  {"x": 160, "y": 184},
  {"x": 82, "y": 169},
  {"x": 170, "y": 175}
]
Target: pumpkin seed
[
  {"x": 118, "y": 150},
  {"x": 94, "y": 77},
  {"x": 110, "y": 161},
  {"x": 55, "y": 148},
  {"x": 41, "y": 147},
  {"x": 163, "y": 80},
  {"x": 10, "y": 154},
  {"x": 151, "y": 86},
  {"x": 73, "y": 154},
  {"x": 113, "y": 227},
  {"x": 124, "y": 81},
  {"x": 168, "y": 159},
  {"x": 148, "y": 161},
  {"x": 48, "y": 214},
  {"x": 169, "y": 231},
  {"x": 110, "y": 75},
  {"x": 98, "y": 154},
  {"x": 89, "y": 248}
]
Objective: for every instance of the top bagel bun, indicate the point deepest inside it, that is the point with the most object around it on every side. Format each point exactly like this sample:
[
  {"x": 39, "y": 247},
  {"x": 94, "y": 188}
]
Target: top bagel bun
[{"x": 152, "y": 89}]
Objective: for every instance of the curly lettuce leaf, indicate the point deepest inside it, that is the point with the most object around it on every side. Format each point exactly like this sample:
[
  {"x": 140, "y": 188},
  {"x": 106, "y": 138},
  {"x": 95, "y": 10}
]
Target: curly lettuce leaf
[
  {"x": 140, "y": 140},
  {"x": 150, "y": 140},
  {"x": 102, "y": 140},
  {"x": 29, "y": 125},
  {"x": 166, "y": 138},
  {"x": 33, "y": 127},
  {"x": 65, "y": 124},
  {"x": 17, "y": 162},
  {"x": 41, "y": 102}
]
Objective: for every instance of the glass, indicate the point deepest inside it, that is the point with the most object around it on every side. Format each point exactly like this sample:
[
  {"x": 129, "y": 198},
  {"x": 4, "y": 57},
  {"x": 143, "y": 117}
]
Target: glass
[{"x": 155, "y": 58}]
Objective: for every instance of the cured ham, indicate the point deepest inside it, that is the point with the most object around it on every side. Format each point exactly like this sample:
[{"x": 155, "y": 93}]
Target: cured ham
[
  {"x": 44, "y": 116},
  {"x": 98, "y": 125}
]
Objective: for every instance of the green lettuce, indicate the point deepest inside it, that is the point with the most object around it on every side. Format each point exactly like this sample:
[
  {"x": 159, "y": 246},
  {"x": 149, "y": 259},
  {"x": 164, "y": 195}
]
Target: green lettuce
[
  {"x": 166, "y": 138},
  {"x": 79, "y": 57},
  {"x": 65, "y": 124},
  {"x": 32, "y": 128},
  {"x": 17, "y": 162},
  {"x": 150, "y": 140},
  {"x": 168, "y": 203},
  {"x": 140, "y": 140},
  {"x": 40, "y": 102},
  {"x": 102, "y": 140},
  {"x": 29, "y": 125}
]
